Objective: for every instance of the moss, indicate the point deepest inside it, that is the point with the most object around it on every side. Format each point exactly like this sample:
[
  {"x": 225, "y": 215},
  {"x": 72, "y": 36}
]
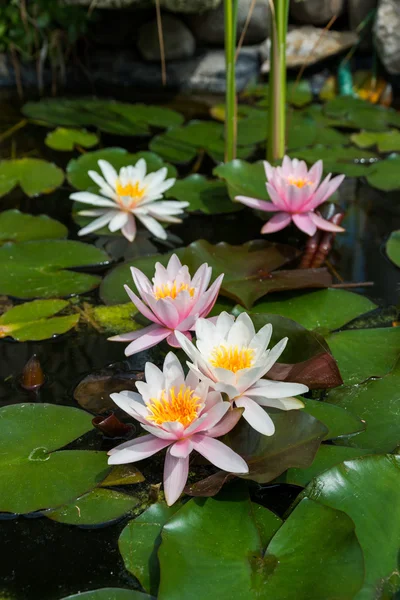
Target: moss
[{"x": 115, "y": 319}]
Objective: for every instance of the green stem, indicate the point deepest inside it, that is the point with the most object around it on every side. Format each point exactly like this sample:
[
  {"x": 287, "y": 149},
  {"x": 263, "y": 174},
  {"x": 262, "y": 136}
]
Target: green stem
[
  {"x": 277, "y": 82},
  {"x": 230, "y": 98}
]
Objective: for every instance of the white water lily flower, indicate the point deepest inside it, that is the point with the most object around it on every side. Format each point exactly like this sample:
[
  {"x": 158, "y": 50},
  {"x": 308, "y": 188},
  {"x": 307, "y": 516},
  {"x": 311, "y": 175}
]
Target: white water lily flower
[
  {"x": 129, "y": 194},
  {"x": 232, "y": 358}
]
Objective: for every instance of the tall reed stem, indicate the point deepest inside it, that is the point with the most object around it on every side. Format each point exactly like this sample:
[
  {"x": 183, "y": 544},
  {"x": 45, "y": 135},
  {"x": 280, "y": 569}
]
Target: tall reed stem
[
  {"x": 277, "y": 81},
  {"x": 230, "y": 7}
]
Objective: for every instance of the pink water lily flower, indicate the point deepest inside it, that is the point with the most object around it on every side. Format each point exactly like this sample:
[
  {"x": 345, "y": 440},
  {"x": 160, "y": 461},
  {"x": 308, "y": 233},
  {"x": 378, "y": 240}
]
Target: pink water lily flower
[
  {"x": 296, "y": 192},
  {"x": 174, "y": 302},
  {"x": 179, "y": 414},
  {"x": 233, "y": 359}
]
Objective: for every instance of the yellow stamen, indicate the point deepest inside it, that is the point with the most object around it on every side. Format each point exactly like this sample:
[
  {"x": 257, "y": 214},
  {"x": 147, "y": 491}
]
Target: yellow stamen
[
  {"x": 232, "y": 358},
  {"x": 300, "y": 183},
  {"x": 182, "y": 407},
  {"x": 171, "y": 291},
  {"x": 130, "y": 190}
]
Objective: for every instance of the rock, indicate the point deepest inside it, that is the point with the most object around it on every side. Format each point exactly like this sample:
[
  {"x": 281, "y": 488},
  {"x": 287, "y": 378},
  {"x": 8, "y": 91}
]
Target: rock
[
  {"x": 308, "y": 45},
  {"x": 178, "y": 40},
  {"x": 387, "y": 34},
  {"x": 315, "y": 12},
  {"x": 208, "y": 28},
  {"x": 182, "y": 6},
  {"x": 113, "y": 4},
  {"x": 209, "y": 74}
]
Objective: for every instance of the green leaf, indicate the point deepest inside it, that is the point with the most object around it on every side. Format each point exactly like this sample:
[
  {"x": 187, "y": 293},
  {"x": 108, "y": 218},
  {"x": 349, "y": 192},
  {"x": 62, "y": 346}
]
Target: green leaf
[
  {"x": 364, "y": 353},
  {"x": 77, "y": 168},
  {"x": 66, "y": 139},
  {"x": 350, "y": 161},
  {"x": 31, "y": 322},
  {"x": 387, "y": 141},
  {"x": 109, "y": 594},
  {"x": 95, "y": 508},
  {"x": 35, "y": 176},
  {"x": 32, "y": 475},
  {"x": 377, "y": 402},
  {"x": 299, "y": 93},
  {"x": 356, "y": 488},
  {"x": 16, "y": 226},
  {"x": 109, "y": 116},
  {"x": 139, "y": 543},
  {"x": 338, "y": 421},
  {"x": 393, "y": 247},
  {"x": 37, "y": 269},
  {"x": 359, "y": 114},
  {"x": 123, "y": 475},
  {"x": 324, "y": 310},
  {"x": 243, "y": 179},
  {"x": 114, "y": 319},
  {"x": 384, "y": 175},
  {"x": 204, "y": 195}
]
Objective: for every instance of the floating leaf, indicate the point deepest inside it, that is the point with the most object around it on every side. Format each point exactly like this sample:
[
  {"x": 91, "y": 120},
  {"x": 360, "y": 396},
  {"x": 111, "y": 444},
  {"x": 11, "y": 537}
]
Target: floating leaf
[
  {"x": 95, "y": 508},
  {"x": 109, "y": 116},
  {"x": 384, "y": 175},
  {"x": 352, "y": 488},
  {"x": 32, "y": 320},
  {"x": 16, "y": 226},
  {"x": 393, "y": 247},
  {"x": 114, "y": 319},
  {"x": 35, "y": 176},
  {"x": 299, "y": 93},
  {"x": 377, "y": 402},
  {"x": 204, "y": 195},
  {"x": 123, "y": 475},
  {"x": 110, "y": 594},
  {"x": 77, "y": 168},
  {"x": 66, "y": 139},
  {"x": 244, "y": 179},
  {"x": 324, "y": 310},
  {"x": 388, "y": 141},
  {"x": 32, "y": 475},
  {"x": 318, "y": 372},
  {"x": 37, "y": 269},
  {"x": 364, "y": 353},
  {"x": 350, "y": 161},
  {"x": 339, "y": 422},
  {"x": 139, "y": 543},
  {"x": 359, "y": 114}
]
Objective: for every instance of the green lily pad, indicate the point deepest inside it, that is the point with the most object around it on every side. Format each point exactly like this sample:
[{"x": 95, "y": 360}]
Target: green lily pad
[
  {"x": 299, "y": 94},
  {"x": 360, "y": 114},
  {"x": 244, "y": 179},
  {"x": 139, "y": 543},
  {"x": 377, "y": 402},
  {"x": 353, "y": 488},
  {"x": 114, "y": 319},
  {"x": 109, "y": 116},
  {"x": 123, "y": 475},
  {"x": 222, "y": 555},
  {"x": 110, "y": 594},
  {"x": 16, "y": 226},
  {"x": 77, "y": 168},
  {"x": 32, "y": 475},
  {"x": 388, "y": 141},
  {"x": 35, "y": 176},
  {"x": 364, "y": 353},
  {"x": 384, "y": 175},
  {"x": 35, "y": 320},
  {"x": 393, "y": 247},
  {"x": 37, "y": 269},
  {"x": 95, "y": 508},
  {"x": 349, "y": 161},
  {"x": 339, "y": 422},
  {"x": 324, "y": 310},
  {"x": 204, "y": 195},
  {"x": 67, "y": 139}
]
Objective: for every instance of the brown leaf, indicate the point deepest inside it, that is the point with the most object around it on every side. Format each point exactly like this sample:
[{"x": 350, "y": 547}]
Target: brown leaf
[
  {"x": 320, "y": 371},
  {"x": 32, "y": 377},
  {"x": 112, "y": 427},
  {"x": 210, "y": 485}
]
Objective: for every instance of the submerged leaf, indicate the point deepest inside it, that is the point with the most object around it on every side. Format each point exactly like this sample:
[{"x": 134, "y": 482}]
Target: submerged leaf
[
  {"x": 110, "y": 594},
  {"x": 16, "y": 226},
  {"x": 35, "y": 176}
]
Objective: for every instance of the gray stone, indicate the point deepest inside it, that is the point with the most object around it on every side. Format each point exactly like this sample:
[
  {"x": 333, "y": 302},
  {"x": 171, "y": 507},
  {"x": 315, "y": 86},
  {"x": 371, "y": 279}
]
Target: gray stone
[
  {"x": 387, "y": 34},
  {"x": 315, "y": 12},
  {"x": 209, "y": 74},
  {"x": 182, "y": 6},
  {"x": 178, "y": 40},
  {"x": 209, "y": 27}
]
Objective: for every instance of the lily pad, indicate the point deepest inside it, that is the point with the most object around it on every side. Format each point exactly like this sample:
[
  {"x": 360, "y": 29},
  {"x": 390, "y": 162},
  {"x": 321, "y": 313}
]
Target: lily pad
[
  {"x": 16, "y": 226},
  {"x": 364, "y": 353},
  {"x": 244, "y": 179},
  {"x": 123, "y": 475},
  {"x": 349, "y": 161},
  {"x": 95, "y": 508},
  {"x": 139, "y": 543},
  {"x": 384, "y": 175},
  {"x": 359, "y": 114},
  {"x": 33, "y": 475},
  {"x": 339, "y": 422},
  {"x": 35, "y": 320},
  {"x": 352, "y": 488},
  {"x": 35, "y": 176},
  {"x": 107, "y": 115},
  {"x": 37, "y": 269},
  {"x": 110, "y": 594},
  {"x": 324, "y": 310},
  {"x": 393, "y": 247},
  {"x": 204, "y": 195},
  {"x": 67, "y": 139},
  {"x": 388, "y": 141},
  {"x": 113, "y": 319},
  {"x": 77, "y": 168}
]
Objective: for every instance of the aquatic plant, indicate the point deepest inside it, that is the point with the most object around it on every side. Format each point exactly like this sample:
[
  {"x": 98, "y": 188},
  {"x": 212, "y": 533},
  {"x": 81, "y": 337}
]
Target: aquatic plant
[
  {"x": 182, "y": 415},
  {"x": 129, "y": 194}
]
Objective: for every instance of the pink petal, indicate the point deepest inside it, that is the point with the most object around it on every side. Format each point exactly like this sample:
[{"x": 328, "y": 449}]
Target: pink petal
[
  {"x": 219, "y": 454},
  {"x": 175, "y": 476},
  {"x": 131, "y": 403},
  {"x": 288, "y": 166},
  {"x": 137, "y": 449},
  {"x": 257, "y": 204},
  {"x": 141, "y": 281},
  {"x": 152, "y": 337},
  {"x": 269, "y": 170},
  {"x": 329, "y": 189},
  {"x": 181, "y": 449},
  {"x": 279, "y": 201},
  {"x": 257, "y": 418},
  {"x": 277, "y": 222},
  {"x": 324, "y": 224},
  {"x": 167, "y": 312},
  {"x": 225, "y": 425},
  {"x": 129, "y": 229},
  {"x": 304, "y": 223},
  {"x": 315, "y": 173},
  {"x": 172, "y": 339},
  {"x": 212, "y": 417},
  {"x": 201, "y": 279},
  {"x": 141, "y": 306},
  {"x": 159, "y": 432},
  {"x": 318, "y": 197}
]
